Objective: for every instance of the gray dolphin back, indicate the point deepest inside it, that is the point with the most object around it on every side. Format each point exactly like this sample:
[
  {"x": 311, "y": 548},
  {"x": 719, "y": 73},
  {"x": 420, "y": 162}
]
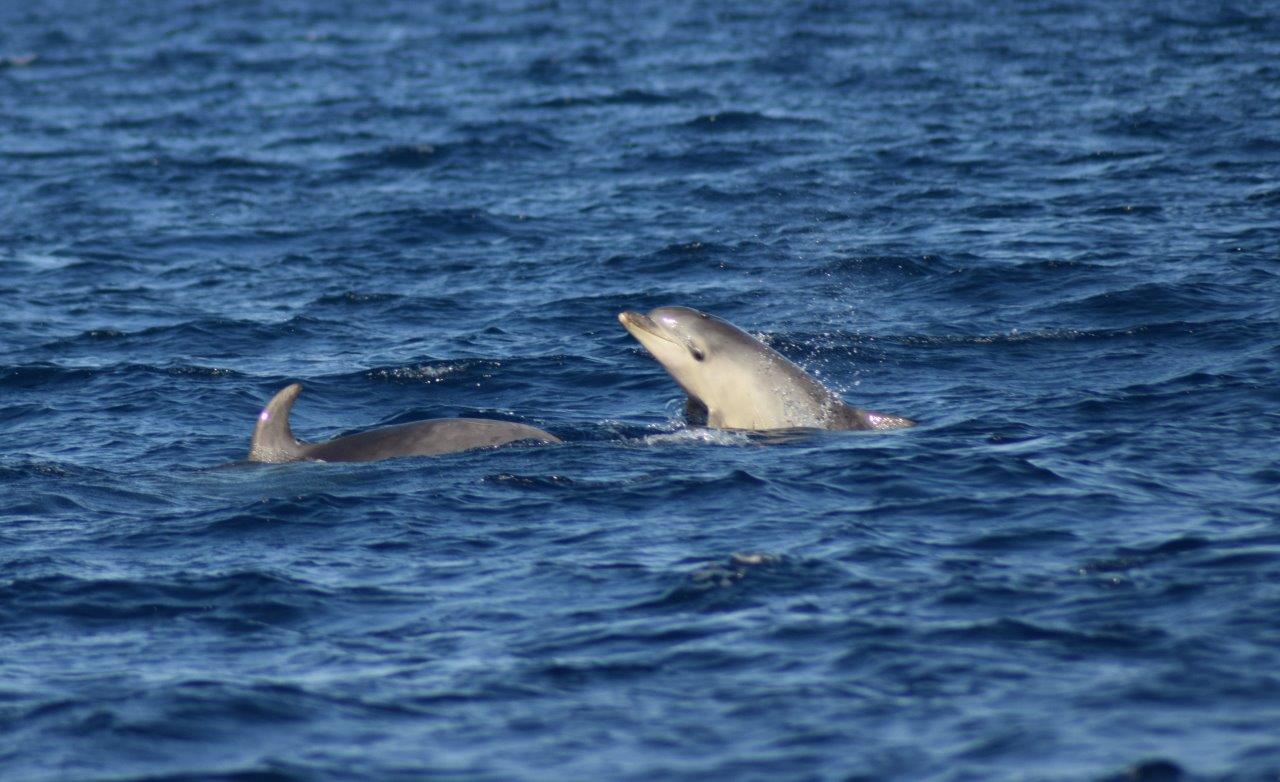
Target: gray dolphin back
[
  {"x": 273, "y": 440},
  {"x": 846, "y": 416},
  {"x": 425, "y": 438}
]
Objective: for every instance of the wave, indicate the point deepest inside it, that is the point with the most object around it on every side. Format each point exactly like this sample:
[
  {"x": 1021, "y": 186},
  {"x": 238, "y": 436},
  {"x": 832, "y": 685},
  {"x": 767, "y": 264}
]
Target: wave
[
  {"x": 744, "y": 578},
  {"x": 729, "y": 121},
  {"x": 250, "y": 595},
  {"x": 624, "y": 97},
  {"x": 485, "y": 143}
]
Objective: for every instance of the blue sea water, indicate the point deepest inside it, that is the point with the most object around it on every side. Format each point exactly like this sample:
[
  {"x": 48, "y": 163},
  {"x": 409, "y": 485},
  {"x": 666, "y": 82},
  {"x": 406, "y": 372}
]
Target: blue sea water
[{"x": 1048, "y": 230}]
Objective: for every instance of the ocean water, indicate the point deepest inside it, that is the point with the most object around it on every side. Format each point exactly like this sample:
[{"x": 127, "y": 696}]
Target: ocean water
[{"x": 1048, "y": 230}]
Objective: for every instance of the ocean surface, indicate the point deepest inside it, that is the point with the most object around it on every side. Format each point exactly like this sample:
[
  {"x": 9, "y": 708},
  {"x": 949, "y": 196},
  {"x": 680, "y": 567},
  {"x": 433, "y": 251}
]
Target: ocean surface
[{"x": 1047, "y": 230}]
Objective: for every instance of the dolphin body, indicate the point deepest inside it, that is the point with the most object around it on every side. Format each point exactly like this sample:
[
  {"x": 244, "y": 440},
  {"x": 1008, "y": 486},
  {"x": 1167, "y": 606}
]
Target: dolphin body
[
  {"x": 739, "y": 381},
  {"x": 273, "y": 440}
]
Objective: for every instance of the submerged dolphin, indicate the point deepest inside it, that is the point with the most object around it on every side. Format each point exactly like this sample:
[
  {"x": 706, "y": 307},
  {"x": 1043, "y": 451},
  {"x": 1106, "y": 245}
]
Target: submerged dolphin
[
  {"x": 741, "y": 382},
  {"x": 273, "y": 440}
]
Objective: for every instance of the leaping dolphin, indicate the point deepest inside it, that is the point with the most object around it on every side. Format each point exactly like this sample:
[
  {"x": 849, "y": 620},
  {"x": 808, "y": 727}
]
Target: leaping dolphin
[
  {"x": 273, "y": 440},
  {"x": 741, "y": 382}
]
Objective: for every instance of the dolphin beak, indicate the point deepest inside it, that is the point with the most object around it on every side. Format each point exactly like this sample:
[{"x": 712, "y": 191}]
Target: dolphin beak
[
  {"x": 638, "y": 324},
  {"x": 635, "y": 321}
]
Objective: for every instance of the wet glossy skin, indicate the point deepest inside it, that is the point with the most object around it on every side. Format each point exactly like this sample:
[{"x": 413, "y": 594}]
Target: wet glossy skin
[
  {"x": 743, "y": 383},
  {"x": 273, "y": 440}
]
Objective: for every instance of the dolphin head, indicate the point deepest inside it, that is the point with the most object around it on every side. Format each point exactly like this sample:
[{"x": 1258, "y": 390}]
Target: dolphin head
[
  {"x": 697, "y": 349},
  {"x": 740, "y": 382}
]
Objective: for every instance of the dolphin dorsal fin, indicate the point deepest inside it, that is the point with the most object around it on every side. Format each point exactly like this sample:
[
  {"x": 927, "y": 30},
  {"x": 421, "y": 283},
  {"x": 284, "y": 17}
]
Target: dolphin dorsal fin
[{"x": 273, "y": 440}]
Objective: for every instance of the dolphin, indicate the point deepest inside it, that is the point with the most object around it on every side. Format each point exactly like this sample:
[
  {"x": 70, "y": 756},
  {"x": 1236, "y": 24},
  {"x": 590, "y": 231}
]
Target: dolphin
[
  {"x": 273, "y": 440},
  {"x": 740, "y": 382}
]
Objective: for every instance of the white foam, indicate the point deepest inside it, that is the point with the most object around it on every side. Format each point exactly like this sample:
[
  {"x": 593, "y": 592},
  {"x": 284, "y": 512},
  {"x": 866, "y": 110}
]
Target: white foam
[
  {"x": 420, "y": 372},
  {"x": 45, "y": 261},
  {"x": 697, "y": 435}
]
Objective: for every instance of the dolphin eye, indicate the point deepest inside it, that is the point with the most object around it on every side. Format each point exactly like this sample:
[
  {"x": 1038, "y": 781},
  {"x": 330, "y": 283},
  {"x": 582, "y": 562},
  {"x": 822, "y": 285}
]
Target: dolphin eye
[{"x": 697, "y": 354}]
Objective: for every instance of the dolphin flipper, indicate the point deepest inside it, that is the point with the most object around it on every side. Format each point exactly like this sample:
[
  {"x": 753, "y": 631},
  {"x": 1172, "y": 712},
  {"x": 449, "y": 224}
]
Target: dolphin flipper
[{"x": 695, "y": 413}]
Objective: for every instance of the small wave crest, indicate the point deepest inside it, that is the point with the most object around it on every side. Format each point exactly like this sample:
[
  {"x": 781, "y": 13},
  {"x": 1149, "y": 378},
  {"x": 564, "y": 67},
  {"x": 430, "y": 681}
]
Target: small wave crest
[
  {"x": 698, "y": 436},
  {"x": 432, "y": 373}
]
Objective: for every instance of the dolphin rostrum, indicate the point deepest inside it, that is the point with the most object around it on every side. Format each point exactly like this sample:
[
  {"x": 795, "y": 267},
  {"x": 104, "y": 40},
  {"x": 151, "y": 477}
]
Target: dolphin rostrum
[
  {"x": 739, "y": 381},
  {"x": 273, "y": 440}
]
